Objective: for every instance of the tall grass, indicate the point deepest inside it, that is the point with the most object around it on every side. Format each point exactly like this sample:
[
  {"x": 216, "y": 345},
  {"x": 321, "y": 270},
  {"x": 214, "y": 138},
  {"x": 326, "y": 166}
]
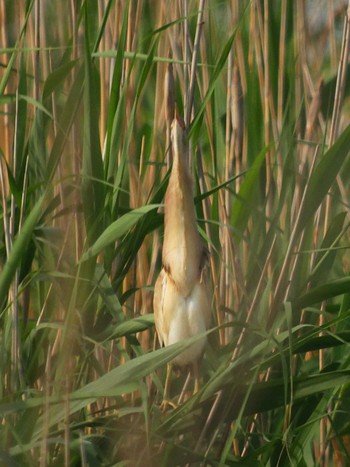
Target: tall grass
[{"x": 84, "y": 141}]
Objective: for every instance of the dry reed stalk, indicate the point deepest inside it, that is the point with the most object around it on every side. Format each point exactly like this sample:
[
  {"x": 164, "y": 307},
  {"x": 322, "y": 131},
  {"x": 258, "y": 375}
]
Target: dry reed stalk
[
  {"x": 302, "y": 37},
  {"x": 129, "y": 34},
  {"x": 169, "y": 93},
  {"x": 332, "y": 38},
  {"x": 225, "y": 292},
  {"x": 158, "y": 123},
  {"x": 281, "y": 290},
  {"x": 281, "y": 65},
  {"x": 237, "y": 119},
  {"x": 5, "y": 127},
  {"x": 280, "y": 100},
  {"x": 205, "y": 78},
  {"x": 206, "y": 211},
  {"x": 298, "y": 92},
  {"x": 195, "y": 56},
  {"x": 104, "y": 75},
  {"x": 66, "y": 435},
  {"x": 75, "y": 161},
  {"x": 257, "y": 28},
  {"x": 8, "y": 244},
  {"x": 305, "y": 157},
  {"x": 129, "y": 280},
  {"x": 186, "y": 39},
  {"x": 238, "y": 44},
  {"x": 169, "y": 107},
  {"x": 266, "y": 107},
  {"x": 142, "y": 300},
  {"x": 37, "y": 25}
]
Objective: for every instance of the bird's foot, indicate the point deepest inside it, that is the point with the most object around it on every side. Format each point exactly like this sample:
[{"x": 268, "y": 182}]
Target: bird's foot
[{"x": 166, "y": 403}]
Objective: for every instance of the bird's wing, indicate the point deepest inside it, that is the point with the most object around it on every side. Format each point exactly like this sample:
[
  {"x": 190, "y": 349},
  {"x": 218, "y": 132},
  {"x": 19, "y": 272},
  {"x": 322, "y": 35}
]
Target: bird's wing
[
  {"x": 158, "y": 305},
  {"x": 204, "y": 280}
]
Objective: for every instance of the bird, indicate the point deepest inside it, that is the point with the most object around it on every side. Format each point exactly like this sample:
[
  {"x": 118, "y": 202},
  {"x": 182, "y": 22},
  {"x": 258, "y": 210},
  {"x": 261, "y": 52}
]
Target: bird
[{"x": 182, "y": 303}]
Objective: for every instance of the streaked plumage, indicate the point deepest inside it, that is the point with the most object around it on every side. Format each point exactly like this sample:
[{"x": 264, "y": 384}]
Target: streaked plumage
[{"x": 182, "y": 305}]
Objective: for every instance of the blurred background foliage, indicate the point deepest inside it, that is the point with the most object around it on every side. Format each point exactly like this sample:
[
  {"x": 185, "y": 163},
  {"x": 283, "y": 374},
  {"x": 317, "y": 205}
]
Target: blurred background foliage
[{"x": 84, "y": 144}]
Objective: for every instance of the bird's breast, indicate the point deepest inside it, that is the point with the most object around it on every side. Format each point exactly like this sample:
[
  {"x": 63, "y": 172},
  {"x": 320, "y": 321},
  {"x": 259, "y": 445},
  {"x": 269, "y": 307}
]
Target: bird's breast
[
  {"x": 182, "y": 245},
  {"x": 187, "y": 317}
]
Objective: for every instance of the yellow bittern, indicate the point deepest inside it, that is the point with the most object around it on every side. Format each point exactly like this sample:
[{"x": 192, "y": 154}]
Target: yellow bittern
[{"x": 182, "y": 304}]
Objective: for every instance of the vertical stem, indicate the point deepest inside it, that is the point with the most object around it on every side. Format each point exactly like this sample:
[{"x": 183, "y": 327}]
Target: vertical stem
[
  {"x": 6, "y": 128},
  {"x": 37, "y": 52},
  {"x": 332, "y": 39},
  {"x": 226, "y": 203},
  {"x": 186, "y": 57},
  {"x": 190, "y": 95},
  {"x": 66, "y": 423},
  {"x": 266, "y": 109},
  {"x": 281, "y": 59}
]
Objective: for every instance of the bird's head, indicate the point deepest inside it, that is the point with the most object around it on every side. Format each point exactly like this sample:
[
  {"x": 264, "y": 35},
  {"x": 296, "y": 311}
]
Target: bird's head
[{"x": 179, "y": 138}]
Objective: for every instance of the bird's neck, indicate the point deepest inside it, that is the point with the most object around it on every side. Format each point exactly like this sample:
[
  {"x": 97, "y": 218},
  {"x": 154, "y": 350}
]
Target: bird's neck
[
  {"x": 182, "y": 246},
  {"x": 179, "y": 199}
]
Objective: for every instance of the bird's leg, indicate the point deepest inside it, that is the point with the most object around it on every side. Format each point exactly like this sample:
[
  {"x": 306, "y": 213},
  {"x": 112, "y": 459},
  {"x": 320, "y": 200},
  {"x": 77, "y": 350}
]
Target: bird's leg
[
  {"x": 169, "y": 370},
  {"x": 196, "y": 377},
  {"x": 166, "y": 396}
]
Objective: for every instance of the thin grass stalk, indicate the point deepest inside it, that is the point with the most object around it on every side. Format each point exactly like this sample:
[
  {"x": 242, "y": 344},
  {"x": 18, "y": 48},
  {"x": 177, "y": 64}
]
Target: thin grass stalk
[
  {"x": 169, "y": 101},
  {"x": 238, "y": 44},
  {"x": 44, "y": 448},
  {"x": 103, "y": 74},
  {"x": 281, "y": 65},
  {"x": 67, "y": 456},
  {"x": 60, "y": 259},
  {"x": 16, "y": 367},
  {"x": 252, "y": 33},
  {"x": 341, "y": 79},
  {"x": 8, "y": 241},
  {"x": 186, "y": 54},
  {"x": 208, "y": 114},
  {"x": 303, "y": 46},
  {"x": 37, "y": 18},
  {"x": 332, "y": 37},
  {"x": 45, "y": 53},
  {"x": 306, "y": 149},
  {"x": 208, "y": 421},
  {"x": 9, "y": 67},
  {"x": 75, "y": 161},
  {"x": 237, "y": 116},
  {"x": 238, "y": 287},
  {"x": 256, "y": 28},
  {"x": 129, "y": 38},
  {"x": 252, "y": 308},
  {"x": 297, "y": 27},
  {"x": 281, "y": 292},
  {"x": 159, "y": 101},
  {"x": 254, "y": 302},
  {"x": 228, "y": 164},
  {"x": 266, "y": 93},
  {"x": 6, "y": 129},
  {"x": 190, "y": 95},
  {"x": 206, "y": 211},
  {"x": 16, "y": 349}
]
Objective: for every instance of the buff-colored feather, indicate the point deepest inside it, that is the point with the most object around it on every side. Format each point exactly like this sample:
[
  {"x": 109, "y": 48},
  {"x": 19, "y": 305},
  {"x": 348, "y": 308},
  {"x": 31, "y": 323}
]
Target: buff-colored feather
[{"x": 182, "y": 305}]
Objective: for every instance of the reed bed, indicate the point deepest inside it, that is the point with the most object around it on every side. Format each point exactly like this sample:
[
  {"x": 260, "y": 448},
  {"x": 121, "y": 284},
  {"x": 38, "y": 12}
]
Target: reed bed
[{"x": 87, "y": 92}]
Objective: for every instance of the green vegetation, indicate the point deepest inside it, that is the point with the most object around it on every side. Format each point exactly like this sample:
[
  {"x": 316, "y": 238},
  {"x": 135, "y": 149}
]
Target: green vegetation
[{"x": 84, "y": 168}]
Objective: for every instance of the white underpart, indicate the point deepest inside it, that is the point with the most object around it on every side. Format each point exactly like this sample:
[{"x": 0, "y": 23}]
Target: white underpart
[{"x": 187, "y": 321}]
